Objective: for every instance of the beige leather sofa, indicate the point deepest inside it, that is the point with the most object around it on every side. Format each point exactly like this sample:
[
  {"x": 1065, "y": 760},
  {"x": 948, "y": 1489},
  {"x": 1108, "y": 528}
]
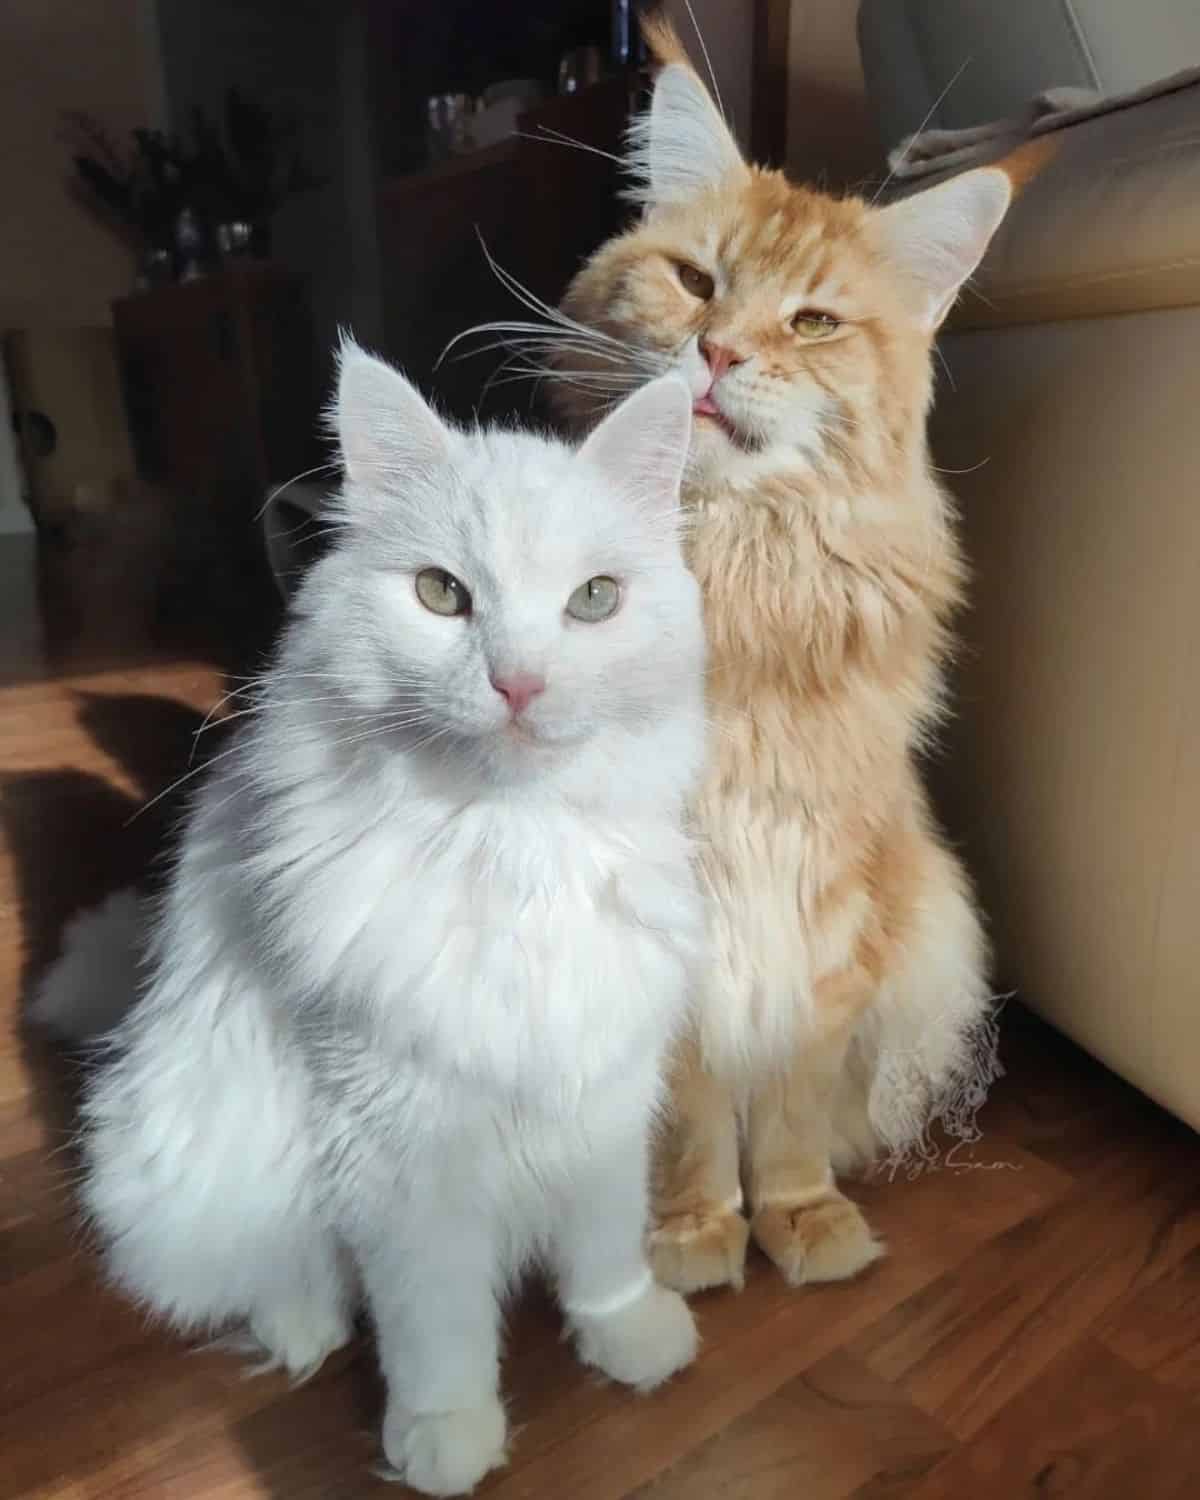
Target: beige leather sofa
[{"x": 1070, "y": 429}]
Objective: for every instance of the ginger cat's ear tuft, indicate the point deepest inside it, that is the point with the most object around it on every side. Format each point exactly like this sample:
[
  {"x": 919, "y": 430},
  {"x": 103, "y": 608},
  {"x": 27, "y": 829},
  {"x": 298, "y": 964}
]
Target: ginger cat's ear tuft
[
  {"x": 662, "y": 39},
  {"x": 681, "y": 146},
  {"x": 1029, "y": 160}
]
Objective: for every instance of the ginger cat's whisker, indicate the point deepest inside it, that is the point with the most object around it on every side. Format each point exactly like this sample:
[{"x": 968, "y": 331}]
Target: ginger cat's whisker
[
  {"x": 929, "y": 114},
  {"x": 551, "y": 137}
]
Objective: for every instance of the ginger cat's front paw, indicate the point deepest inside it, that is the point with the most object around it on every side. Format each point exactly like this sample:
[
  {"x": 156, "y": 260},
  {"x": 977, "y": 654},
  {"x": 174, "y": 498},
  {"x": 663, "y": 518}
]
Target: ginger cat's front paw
[
  {"x": 691, "y": 1252},
  {"x": 641, "y": 1344},
  {"x": 444, "y": 1452},
  {"x": 828, "y": 1240}
]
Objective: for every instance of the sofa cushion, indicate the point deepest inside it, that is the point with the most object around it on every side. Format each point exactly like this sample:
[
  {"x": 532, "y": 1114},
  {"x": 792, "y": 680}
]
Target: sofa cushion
[
  {"x": 955, "y": 63},
  {"x": 1112, "y": 225}
]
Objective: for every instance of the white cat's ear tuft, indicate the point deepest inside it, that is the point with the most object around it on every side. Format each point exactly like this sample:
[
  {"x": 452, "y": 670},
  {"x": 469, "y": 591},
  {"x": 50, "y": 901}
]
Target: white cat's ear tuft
[
  {"x": 680, "y": 146},
  {"x": 938, "y": 237},
  {"x": 642, "y": 446},
  {"x": 385, "y": 429}
]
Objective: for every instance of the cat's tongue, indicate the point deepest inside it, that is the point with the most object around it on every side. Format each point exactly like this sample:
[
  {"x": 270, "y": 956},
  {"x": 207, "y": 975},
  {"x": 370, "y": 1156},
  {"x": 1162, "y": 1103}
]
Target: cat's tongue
[{"x": 705, "y": 406}]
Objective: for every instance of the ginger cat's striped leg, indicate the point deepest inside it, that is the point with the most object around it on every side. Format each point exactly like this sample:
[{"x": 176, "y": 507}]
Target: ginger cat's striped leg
[
  {"x": 700, "y": 1236},
  {"x": 808, "y": 1228}
]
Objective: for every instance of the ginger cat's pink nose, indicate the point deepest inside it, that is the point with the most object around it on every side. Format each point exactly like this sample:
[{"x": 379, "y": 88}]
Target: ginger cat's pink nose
[
  {"x": 719, "y": 358},
  {"x": 519, "y": 690}
]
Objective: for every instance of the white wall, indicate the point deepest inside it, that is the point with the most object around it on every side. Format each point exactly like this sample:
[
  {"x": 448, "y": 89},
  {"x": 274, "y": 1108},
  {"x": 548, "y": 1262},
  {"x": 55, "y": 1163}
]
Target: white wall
[{"x": 58, "y": 267}]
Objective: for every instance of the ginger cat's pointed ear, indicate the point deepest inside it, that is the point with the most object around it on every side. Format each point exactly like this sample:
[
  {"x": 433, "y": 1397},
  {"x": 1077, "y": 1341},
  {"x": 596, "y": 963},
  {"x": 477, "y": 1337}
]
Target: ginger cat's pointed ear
[
  {"x": 680, "y": 146},
  {"x": 642, "y": 446},
  {"x": 938, "y": 237},
  {"x": 385, "y": 429}
]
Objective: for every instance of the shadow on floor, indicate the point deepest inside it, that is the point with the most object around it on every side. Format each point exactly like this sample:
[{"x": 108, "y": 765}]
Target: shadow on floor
[{"x": 74, "y": 838}]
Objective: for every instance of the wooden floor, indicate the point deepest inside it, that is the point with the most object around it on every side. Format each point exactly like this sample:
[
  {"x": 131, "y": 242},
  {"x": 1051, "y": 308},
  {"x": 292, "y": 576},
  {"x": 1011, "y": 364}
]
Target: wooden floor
[{"x": 1035, "y": 1330}]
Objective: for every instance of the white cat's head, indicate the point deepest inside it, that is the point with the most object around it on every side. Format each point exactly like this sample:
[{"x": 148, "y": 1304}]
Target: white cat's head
[{"x": 497, "y": 594}]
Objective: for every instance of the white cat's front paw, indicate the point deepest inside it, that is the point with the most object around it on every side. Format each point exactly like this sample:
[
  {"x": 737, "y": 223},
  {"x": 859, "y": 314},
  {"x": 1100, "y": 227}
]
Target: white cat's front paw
[
  {"x": 641, "y": 1344},
  {"x": 445, "y": 1452}
]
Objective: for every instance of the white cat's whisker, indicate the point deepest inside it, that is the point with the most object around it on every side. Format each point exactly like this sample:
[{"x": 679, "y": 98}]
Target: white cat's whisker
[
  {"x": 326, "y": 468},
  {"x": 359, "y": 716},
  {"x": 390, "y": 727},
  {"x": 216, "y": 708},
  {"x": 181, "y": 781}
]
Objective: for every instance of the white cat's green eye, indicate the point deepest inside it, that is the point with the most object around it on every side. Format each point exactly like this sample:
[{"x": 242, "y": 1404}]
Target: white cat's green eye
[
  {"x": 441, "y": 593},
  {"x": 595, "y": 600},
  {"x": 814, "y": 325}
]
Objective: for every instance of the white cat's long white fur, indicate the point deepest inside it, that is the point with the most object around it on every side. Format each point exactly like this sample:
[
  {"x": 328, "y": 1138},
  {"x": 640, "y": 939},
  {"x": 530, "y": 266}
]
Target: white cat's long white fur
[{"x": 408, "y": 994}]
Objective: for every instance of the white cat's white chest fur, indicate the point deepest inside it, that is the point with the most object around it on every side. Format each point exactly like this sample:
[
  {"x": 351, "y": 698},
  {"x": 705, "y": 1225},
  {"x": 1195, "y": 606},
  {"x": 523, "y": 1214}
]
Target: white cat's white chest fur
[{"x": 461, "y": 934}]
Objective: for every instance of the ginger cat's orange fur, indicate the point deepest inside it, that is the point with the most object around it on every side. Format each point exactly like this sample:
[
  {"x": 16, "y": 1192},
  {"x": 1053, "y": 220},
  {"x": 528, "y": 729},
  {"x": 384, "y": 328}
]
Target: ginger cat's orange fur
[{"x": 847, "y": 1005}]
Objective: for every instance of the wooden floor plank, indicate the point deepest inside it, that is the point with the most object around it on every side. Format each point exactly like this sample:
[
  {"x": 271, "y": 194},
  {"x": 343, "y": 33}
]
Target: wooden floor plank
[
  {"x": 831, "y": 1433},
  {"x": 755, "y": 1343},
  {"x": 969, "y": 1342},
  {"x": 1157, "y": 1328},
  {"x": 1089, "y": 1427}
]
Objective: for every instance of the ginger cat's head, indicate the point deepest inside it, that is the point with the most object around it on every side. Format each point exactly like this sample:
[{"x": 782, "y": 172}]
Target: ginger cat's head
[{"x": 802, "y": 322}]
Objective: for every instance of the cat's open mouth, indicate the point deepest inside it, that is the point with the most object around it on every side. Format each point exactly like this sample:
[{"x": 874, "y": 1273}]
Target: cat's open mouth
[
  {"x": 707, "y": 412},
  {"x": 704, "y": 407}
]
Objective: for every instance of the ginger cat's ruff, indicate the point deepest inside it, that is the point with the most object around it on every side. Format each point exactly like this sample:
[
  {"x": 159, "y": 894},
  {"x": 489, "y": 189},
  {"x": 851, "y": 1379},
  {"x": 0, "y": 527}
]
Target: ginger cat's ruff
[{"x": 848, "y": 1004}]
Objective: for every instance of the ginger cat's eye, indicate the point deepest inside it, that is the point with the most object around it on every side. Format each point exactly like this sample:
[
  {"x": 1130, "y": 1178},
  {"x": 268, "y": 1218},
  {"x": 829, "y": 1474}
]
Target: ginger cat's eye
[
  {"x": 814, "y": 325},
  {"x": 441, "y": 593},
  {"x": 595, "y": 600},
  {"x": 699, "y": 283}
]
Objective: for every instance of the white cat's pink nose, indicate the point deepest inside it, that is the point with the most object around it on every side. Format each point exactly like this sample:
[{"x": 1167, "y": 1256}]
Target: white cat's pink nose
[{"x": 519, "y": 689}]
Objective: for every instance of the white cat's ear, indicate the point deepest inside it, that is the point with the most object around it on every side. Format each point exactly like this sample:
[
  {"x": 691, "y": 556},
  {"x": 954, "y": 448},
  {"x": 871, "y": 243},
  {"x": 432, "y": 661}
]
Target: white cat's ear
[
  {"x": 385, "y": 429},
  {"x": 642, "y": 446},
  {"x": 938, "y": 237},
  {"x": 680, "y": 146}
]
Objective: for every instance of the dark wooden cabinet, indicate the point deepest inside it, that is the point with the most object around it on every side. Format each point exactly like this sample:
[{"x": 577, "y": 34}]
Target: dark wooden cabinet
[
  {"x": 218, "y": 376},
  {"x": 540, "y": 206},
  {"x": 222, "y": 401}
]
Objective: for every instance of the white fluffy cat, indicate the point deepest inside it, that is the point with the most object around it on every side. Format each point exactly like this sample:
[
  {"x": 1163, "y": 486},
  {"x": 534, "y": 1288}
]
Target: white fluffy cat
[{"x": 429, "y": 932}]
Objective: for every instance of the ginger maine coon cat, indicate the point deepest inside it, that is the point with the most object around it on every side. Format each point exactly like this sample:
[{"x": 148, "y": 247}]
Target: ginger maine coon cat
[{"x": 848, "y": 1005}]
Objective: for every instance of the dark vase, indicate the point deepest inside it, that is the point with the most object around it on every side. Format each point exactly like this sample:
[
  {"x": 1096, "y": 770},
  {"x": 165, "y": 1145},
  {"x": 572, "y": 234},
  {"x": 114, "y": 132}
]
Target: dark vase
[
  {"x": 156, "y": 267},
  {"x": 190, "y": 246},
  {"x": 235, "y": 239}
]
